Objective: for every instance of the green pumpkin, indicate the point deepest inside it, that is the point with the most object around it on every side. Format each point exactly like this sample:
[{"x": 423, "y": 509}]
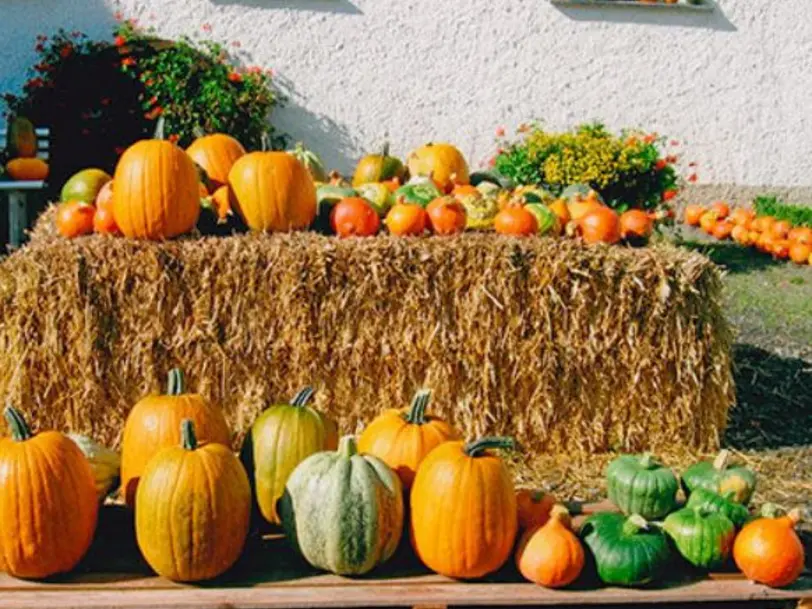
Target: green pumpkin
[
  {"x": 283, "y": 436},
  {"x": 575, "y": 191},
  {"x": 533, "y": 194},
  {"x": 718, "y": 476},
  {"x": 378, "y": 195},
  {"x": 704, "y": 538},
  {"x": 343, "y": 512},
  {"x": 638, "y": 484},
  {"x": 420, "y": 192},
  {"x": 311, "y": 161},
  {"x": 85, "y": 185},
  {"x": 21, "y": 138},
  {"x": 626, "y": 551},
  {"x": 709, "y": 501},
  {"x": 378, "y": 168},
  {"x": 492, "y": 177},
  {"x": 327, "y": 195},
  {"x": 548, "y": 222}
]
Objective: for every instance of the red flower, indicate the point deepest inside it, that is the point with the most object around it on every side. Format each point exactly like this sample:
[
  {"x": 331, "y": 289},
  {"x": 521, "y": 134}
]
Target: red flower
[
  {"x": 150, "y": 82},
  {"x": 206, "y": 27},
  {"x": 669, "y": 194},
  {"x": 35, "y": 83},
  {"x": 174, "y": 138},
  {"x": 154, "y": 113},
  {"x": 650, "y": 138},
  {"x": 500, "y": 132},
  {"x": 692, "y": 164},
  {"x": 671, "y": 158},
  {"x": 693, "y": 178},
  {"x": 660, "y": 164},
  {"x": 492, "y": 161},
  {"x": 106, "y": 101},
  {"x": 66, "y": 51},
  {"x": 128, "y": 61},
  {"x": 120, "y": 41},
  {"x": 235, "y": 77},
  {"x": 39, "y": 47},
  {"x": 153, "y": 100}
]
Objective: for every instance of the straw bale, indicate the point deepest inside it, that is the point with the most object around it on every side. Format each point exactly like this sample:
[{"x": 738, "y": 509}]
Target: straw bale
[{"x": 571, "y": 349}]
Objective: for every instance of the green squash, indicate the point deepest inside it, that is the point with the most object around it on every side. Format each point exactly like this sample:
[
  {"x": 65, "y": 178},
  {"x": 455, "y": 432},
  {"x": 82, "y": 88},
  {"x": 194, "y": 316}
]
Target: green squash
[
  {"x": 85, "y": 185},
  {"x": 311, "y": 161},
  {"x": 638, "y": 484},
  {"x": 378, "y": 195},
  {"x": 533, "y": 194},
  {"x": 421, "y": 192},
  {"x": 704, "y": 538},
  {"x": 379, "y": 168},
  {"x": 21, "y": 138},
  {"x": 582, "y": 191},
  {"x": 327, "y": 195},
  {"x": 492, "y": 177},
  {"x": 343, "y": 512},
  {"x": 625, "y": 551},
  {"x": 283, "y": 436},
  {"x": 548, "y": 222},
  {"x": 709, "y": 501},
  {"x": 718, "y": 476}
]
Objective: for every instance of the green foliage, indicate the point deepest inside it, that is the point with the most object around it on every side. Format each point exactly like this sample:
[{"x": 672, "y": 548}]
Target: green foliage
[
  {"x": 627, "y": 170},
  {"x": 797, "y": 215}
]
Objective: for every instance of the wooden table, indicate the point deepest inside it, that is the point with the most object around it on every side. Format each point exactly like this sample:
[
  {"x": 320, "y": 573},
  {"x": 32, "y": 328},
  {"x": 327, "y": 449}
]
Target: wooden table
[{"x": 18, "y": 207}]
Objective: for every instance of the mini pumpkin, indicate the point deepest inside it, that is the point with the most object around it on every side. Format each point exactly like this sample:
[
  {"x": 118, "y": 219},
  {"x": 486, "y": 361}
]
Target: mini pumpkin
[
  {"x": 599, "y": 225},
  {"x": 551, "y": 555},
  {"x": 379, "y": 168},
  {"x": 635, "y": 225},
  {"x": 74, "y": 219},
  {"x": 517, "y": 221},
  {"x": 24, "y": 169},
  {"x": 447, "y": 216},
  {"x": 354, "y": 217},
  {"x": 693, "y": 214},
  {"x": 769, "y": 551},
  {"x": 443, "y": 163},
  {"x": 639, "y": 484},
  {"x": 406, "y": 220},
  {"x": 720, "y": 477}
]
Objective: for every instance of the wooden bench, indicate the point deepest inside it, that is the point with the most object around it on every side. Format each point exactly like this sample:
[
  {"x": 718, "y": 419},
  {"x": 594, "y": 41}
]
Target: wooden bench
[{"x": 18, "y": 191}]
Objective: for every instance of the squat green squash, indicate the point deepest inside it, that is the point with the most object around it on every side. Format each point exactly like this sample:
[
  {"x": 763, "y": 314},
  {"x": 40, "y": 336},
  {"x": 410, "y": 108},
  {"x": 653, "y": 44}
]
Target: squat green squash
[
  {"x": 85, "y": 185},
  {"x": 718, "y": 476},
  {"x": 638, "y": 484},
  {"x": 343, "y": 512},
  {"x": 712, "y": 502},
  {"x": 281, "y": 438},
  {"x": 421, "y": 191},
  {"x": 704, "y": 538},
  {"x": 626, "y": 551}
]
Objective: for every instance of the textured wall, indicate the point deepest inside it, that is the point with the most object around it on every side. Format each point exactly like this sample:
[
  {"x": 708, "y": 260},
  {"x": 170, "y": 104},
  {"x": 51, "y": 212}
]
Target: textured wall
[{"x": 732, "y": 86}]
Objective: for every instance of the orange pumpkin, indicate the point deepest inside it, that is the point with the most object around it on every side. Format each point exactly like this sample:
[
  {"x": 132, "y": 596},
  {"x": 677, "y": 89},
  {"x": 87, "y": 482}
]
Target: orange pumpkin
[
  {"x": 768, "y": 550},
  {"x": 560, "y": 209},
  {"x": 723, "y": 230},
  {"x": 708, "y": 221},
  {"x": 216, "y": 155},
  {"x": 799, "y": 252},
  {"x": 515, "y": 220},
  {"x": 763, "y": 224},
  {"x": 154, "y": 423},
  {"x": 551, "y": 555},
  {"x": 403, "y": 438},
  {"x": 740, "y": 235},
  {"x": 104, "y": 222},
  {"x": 48, "y": 504},
  {"x": 463, "y": 190},
  {"x": 74, "y": 219},
  {"x": 601, "y": 225},
  {"x": 156, "y": 191},
  {"x": 22, "y": 169},
  {"x": 533, "y": 507},
  {"x": 752, "y": 237},
  {"x": 579, "y": 207},
  {"x": 464, "y": 518},
  {"x": 636, "y": 224},
  {"x": 741, "y": 216},
  {"x": 692, "y": 215},
  {"x": 780, "y": 248},
  {"x": 443, "y": 163},
  {"x": 272, "y": 191},
  {"x": 780, "y": 230},
  {"x": 765, "y": 243},
  {"x": 447, "y": 216},
  {"x": 801, "y": 234},
  {"x": 104, "y": 200},
  {"x": 222, "y": 203},
  {"x": 406, "y": 219},
  {"x": 354, "y": 217},
  {"x": 721, "y": 208}
]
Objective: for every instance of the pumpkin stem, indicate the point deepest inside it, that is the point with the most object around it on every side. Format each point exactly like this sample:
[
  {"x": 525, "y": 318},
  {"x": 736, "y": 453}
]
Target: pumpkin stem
[
  {"x": 770, "y": 510},
  {"x": 347, "y": 447},
  {"x": 794, "y": 516},
  {"x": 562, "y": 514},
  {"x": 303, "y": 397},
  {"x": 385, "y": 150},
  {"x": 176, "y": 384},
  {"x": 265, "y": 141},
  {"x": 633, "y": 524},
  {"x": 187, "y": 434},
  {"x": 647, "y": 461},
  {"x": 198, "y": 132},
  {"x": 160, "y": 127},
  {"x": 720, "y": 462},
  {"x": 417, "y": 412},
  {"x": 476, "y": 448},
  {"x": 19, "y": 429}
]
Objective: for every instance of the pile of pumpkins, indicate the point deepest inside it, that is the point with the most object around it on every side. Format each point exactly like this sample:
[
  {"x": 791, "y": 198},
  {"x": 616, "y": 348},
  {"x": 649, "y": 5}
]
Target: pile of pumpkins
[
  {"x": 160, "y": 191},
  {"x": 765, "y": 233},
  {"x": 21, "y": 150},
  {"x": 345, "y": 503}
]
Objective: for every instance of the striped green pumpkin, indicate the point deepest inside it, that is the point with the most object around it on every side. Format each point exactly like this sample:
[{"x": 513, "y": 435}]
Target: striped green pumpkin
[{"x": 343, "y": 512}]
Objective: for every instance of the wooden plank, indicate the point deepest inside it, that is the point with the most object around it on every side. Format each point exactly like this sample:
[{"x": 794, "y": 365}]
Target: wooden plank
[
  {"x": 10, "y": 186},
  {"x": 706, "y": 7}
]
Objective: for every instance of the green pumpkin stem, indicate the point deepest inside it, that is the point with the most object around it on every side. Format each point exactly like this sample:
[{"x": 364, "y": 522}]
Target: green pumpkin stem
[
  {"x": 477, "y": 448},
  {"x": 187, "y": 434},
  {"x": 417, "y": 412},
  {"x": 770, "y": 510},
  {"x": 160, "y": 128},
  {"x": 19, "y": 429},
  {"x": 720, "y": 462},
  {"x": 347, "y": 446},
  {"x": 198, "y": 132},
  {"x": 385, "y": 150},
  {"x": 176, "y": 384},
  {"x": 647, "y": 461},
  {"x": 265, "y": 141},
  {"x": 303, "y": 397},
  {"x": 633, "y": 524}
]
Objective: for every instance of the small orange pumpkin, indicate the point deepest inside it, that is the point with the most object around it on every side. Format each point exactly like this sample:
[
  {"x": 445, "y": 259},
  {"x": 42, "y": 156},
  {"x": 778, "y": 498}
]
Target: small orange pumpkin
[
  {"x": 723, "y": 230},
  {"x": 23, "y": 169},
  {"x": 222, "y": 203},
  {"x": 801, "y": 234},
  {"x": 216, "y": 155},
  {"x": 601, "y": 225},
  {"x": 447, "y": 216},
  {"x": 104, "y": 222},
  {"x": 560, "y": 209},
  {"x": 763, "y": 224},
  {"x": 533, "y": 507},
  {"x": 354, "y": 217},
  {"x": 636, "y": 224},
  {"x": 740, "y": 235},
  {"x": 104, "y": 200},
  {"x": 406, "y": 219},
  {"x": 515, "y": 220},
  {"x": 780, "y": 248},
  {"x": 708, "y": 221},
  {"x": 780, "y": 230},
  {"x": 581, "y": 206},
  {"x": 693, "y": 213},
  {"x": 741, "y": 216},
  {"x": 551, "y": 555},
  {"x": 74, "y": 219},
  {"x": 443, "y": 163},
  {"x": 799, "y": 252},
  {"x": 768, "y": 550},
  {"x": 721, "y": 208}
]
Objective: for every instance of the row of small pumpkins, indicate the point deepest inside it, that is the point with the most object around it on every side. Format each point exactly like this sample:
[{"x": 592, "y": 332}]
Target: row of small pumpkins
[
  {"x": 158, "y": 191},
  {"x": 765, "y": 233},
  {"x": 342, "y": 502}
]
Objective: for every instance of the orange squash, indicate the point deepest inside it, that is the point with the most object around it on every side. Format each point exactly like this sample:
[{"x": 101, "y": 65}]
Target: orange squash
[
  {"x": 579, "y": 207},
  {"x": 560, "y": 209},
  {"x": 780, "y": 230},
  {"x": 354, "y": 217},
  {"x": 763, "y": 224},
  {"x": 723, "y": 230},
  {"x": 780, "y": 248},
  {"x": 104, "y": 200},
  {"x": 740, "y": 235},
  {"x": 692, "y": 215},
  {"x": 708, "y": 221},
  {"x": 447, "y": 216},
  {"x": 272, "y": 191},
  {"x": 551, "y": 555},
  {"x": 443, "y": 163},
  {"x": 74, "y": 219},
  {"x": 601, "y": 225},
  {"x": 48, "y": 504},
  {"x": 801, "y": 234},
  {"x": 154, "y": 423},
  {"x": 406, "y": 219},
  {"x": 721, "y": 209},
  {"x": 768, "y": 550},
  {"x": 403, "y": 438},
  {"x": 515, "y": 220},
  {"x": 636, "y": 224},
  {"x": 464, "y": 517},
  {"x": 104, "y": 222},
  {"x": 799, "y": 252},
  {"x": 741, "y": 216},
  {"x": 533, "y": 507},
  {"x": 22, "y": 169},
  {"x": 216, "y": 155}
]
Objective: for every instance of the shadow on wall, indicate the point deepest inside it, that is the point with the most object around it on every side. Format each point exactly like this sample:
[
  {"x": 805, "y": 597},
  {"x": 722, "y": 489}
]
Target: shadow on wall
[
  {"x": 712, "y": 20},
  {"x": 316, "y": 6}
]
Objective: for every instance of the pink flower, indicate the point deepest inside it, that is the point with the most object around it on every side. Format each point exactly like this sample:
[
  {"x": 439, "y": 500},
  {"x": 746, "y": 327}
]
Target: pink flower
[
  {"x": 236, "y": 44},
  {"x": 674, "y": 143},
  {"x": 500, "y": 132},
  {"x": 269, "y": 72},
  {"x": 492, "y": 161},
  {"x": 39, "y": 47},
  {"x": 118, "y": 16},
  {"x": 206, "y": 27},
  {"x": 128, "y": 61},
  {"x": 66, "y": 51},
  {"x": 119, "y": 150}
]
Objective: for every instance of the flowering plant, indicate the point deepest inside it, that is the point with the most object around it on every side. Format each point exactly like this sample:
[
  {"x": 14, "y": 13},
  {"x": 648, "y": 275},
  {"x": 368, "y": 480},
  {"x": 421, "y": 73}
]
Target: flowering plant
[{"x": 629, "y": 170}]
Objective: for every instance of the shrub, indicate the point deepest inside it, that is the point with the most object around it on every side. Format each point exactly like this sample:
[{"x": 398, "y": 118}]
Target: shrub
[{"x": 797, "y": 215}]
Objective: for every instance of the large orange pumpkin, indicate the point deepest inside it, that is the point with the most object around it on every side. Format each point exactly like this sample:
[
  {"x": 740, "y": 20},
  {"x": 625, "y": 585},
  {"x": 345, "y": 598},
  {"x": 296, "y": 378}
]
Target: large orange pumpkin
[
  {"x": 636, "y": 224},
  {"x": 551, "y": 555},
  {"x": 464, "y": 520},
  {"x": 601, "y": 225},
  {"x": 48, "y": 504},
  {"x": 273, "y": 191},
  {"x": 443, "y": 163},
  {"x": 769, "y": 551},
  {"x": 216, "y": 155},
  {"x": 156, "y": 192},
  {"x": 154, "y": 423},
  {"x": 403, "y": 438}
]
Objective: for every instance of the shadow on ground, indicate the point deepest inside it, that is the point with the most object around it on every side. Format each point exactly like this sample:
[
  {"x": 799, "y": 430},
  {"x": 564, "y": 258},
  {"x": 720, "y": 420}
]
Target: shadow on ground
[{"x": 731, "y": 256}]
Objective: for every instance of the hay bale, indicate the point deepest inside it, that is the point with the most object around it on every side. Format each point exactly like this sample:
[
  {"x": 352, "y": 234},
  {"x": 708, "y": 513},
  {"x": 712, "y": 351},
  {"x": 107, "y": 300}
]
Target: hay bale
[{"x": 569, "y": 348}]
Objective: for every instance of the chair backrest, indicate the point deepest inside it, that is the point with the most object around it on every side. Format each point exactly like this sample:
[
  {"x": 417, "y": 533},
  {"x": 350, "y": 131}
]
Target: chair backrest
[{"x": 43, "y": 141}]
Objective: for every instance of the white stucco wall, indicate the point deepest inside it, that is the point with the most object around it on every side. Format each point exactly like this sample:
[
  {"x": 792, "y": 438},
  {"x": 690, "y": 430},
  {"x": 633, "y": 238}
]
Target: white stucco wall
[{"x": 733, "y": 86}]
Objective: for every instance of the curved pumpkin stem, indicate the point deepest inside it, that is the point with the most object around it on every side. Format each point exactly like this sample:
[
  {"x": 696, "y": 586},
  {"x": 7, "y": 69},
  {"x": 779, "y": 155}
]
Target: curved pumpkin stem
[
  {"x": 19, "y": 429},
  {"x": 303, "y": 397},
  {"x": 647, "y": 461},
  {"x": 176, "y": 384},
  {"x": 770, "y": 510},
  {"x": 477, "y": 448},
  {"x": 417, "y": 412},
  {"x": 720, "y": 462},
  {"x": 385, "y": 150},
  {"x": 562, "y": 514},
  {"x": 160, "y": 127},
  {"x": 198, "y": 132},
  {"x": 794, "y": 516},
  {"x": 187, "y": 434},
  {"x": 633, "y": 524},
  {"x": 265, "y": 141},
  {"x": 347, "y": 446}
]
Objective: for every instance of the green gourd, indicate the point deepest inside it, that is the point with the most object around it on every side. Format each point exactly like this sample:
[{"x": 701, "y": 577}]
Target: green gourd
[
  {"x": 311, "y": 161},
  {"x": 704, "y": 538},
  {"x": 343, "y": 512},
  {"x": 626, "y": 551},
  {"x": 713, "y": 502},
  {"x": 718, "y": 476},
  {"x": 21, "y": 138},
  {"x": 638, "y": 484},
  {"x": 327, "y": 196},
  {"x": 421, "y": 191}
]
